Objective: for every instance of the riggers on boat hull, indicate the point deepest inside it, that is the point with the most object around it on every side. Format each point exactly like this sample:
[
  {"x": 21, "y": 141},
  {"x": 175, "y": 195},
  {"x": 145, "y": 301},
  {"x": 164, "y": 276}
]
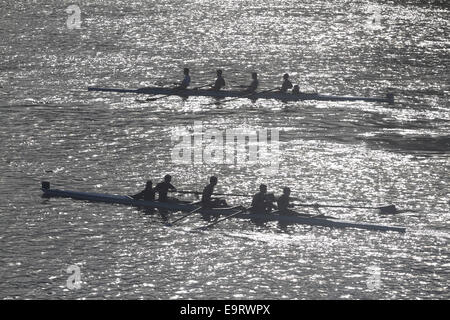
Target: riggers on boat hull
[
  {"x": 180, "y": 206},
  {"x": 236, "y": 94}
]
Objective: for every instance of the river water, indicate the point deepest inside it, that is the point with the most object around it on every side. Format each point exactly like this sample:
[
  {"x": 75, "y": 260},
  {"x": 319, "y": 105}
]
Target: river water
[{"x": 52, "y": 128}]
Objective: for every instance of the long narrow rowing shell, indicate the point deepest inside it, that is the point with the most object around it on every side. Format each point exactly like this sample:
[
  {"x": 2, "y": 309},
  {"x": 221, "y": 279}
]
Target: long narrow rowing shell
[
  {"x": 236, "y": 94},
  {"x": 187, "y": 207}
]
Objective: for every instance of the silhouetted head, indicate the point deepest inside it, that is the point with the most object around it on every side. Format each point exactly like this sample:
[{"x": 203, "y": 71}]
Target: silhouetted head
[
  {"x": 286, "y": 191},
  {"x": 213, "y": 180},
  {"x": 167, "y": 178},
  {"x": 149, "y": 184},
  {"x": 186, "y": 71},
  {"x": 296, "y": 88},
  {"x": 219, "y": 72},
  {"x": 254, "y": 75},
  {"x": 285, "y": 76},
  {"x": 263, "y": 188}
]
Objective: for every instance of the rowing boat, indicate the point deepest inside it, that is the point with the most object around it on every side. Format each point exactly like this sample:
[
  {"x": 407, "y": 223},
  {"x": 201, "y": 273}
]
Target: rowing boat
[
  {"x": 189, "y": 207},
  {"x": 236, "y": 94}
]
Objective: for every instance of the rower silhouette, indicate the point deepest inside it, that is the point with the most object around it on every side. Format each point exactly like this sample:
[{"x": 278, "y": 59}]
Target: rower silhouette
[
  {"x": 262, "y": 202},
  {"x": 186, "y": 80},
  {"x": 286, "y": 83},
  {"x": 207, "y": 200},
  {"x": 296, "y": 89},
  {"x": 163, "y": 187},
  {"x": 283, "y": 201},
  {"x": 148, "y": 194},
  {"x": 220, "y": 81}
]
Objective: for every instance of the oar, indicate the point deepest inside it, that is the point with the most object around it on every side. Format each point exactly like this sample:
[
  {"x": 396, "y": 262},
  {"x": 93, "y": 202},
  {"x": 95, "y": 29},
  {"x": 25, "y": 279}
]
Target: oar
[
  {"x": 206, "y": 85},
  {"x": 242, "y": 96},
  {"x": 390, "y": 209},
  {"x": 311, "y": 197},
  {"x": 223, "y": 219},
  {"x": 164, "y": 96},
  {"x": 215, "y": 194},
  {"x": 176, "y": 90},
  {"x": 187, "y": 215},
  {"x": 318, "y": 214},
  {"x": 157, "y": 83}
]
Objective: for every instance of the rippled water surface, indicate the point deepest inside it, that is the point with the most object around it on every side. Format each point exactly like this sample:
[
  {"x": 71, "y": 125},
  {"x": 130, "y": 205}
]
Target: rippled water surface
[{"x": 52, "y": 128}]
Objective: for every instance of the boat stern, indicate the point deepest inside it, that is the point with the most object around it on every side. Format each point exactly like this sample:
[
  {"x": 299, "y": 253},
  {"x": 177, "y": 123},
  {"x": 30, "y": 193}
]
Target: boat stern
[
  {"x": 45, "y": 185},
  {"x": 390, "y": 98}
]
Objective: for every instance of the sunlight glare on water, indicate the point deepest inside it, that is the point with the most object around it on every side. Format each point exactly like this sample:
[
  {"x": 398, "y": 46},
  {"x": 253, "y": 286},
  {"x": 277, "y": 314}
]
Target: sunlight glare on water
[{"x": 330, "y": 152}]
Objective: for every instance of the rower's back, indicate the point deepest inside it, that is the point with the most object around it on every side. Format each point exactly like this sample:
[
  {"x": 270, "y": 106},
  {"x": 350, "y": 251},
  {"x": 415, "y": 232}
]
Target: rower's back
[
  {"x": 148, "y": 194},
  {"x": 207, "y": 193},
  {"x": 186, "y": 80},
  {"x": 255, "y": 83},
  {"x": 259, "y": 203},
  {"x": 220, "y": 81},
  {"x": 283, "y": 203},
  {"x": 287, "y": 84},
  {"x": 163, "y": 188},
  {"x": 283, "y": 200}
]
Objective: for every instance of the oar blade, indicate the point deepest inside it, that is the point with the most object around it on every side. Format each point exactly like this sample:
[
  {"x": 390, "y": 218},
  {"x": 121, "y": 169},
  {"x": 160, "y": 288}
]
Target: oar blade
[
  {"x": 223, "y": 219},
  {"x": 390, "y": 209}
]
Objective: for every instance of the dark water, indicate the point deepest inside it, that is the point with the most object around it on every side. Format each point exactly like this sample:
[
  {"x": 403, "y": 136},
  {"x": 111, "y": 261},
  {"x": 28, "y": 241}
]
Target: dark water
[{"x": 330, "y": 152}]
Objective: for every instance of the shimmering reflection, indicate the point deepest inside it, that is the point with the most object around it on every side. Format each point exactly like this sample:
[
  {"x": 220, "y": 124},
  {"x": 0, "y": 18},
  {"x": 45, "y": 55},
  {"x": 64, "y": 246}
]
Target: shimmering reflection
[{"x": 331, "y": 152}]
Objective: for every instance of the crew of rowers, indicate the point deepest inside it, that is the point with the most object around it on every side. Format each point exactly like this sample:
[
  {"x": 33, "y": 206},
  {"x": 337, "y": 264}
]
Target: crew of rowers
[
  {"x": 262, "y": 201},
  {"x": 219, "y": 83}
]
